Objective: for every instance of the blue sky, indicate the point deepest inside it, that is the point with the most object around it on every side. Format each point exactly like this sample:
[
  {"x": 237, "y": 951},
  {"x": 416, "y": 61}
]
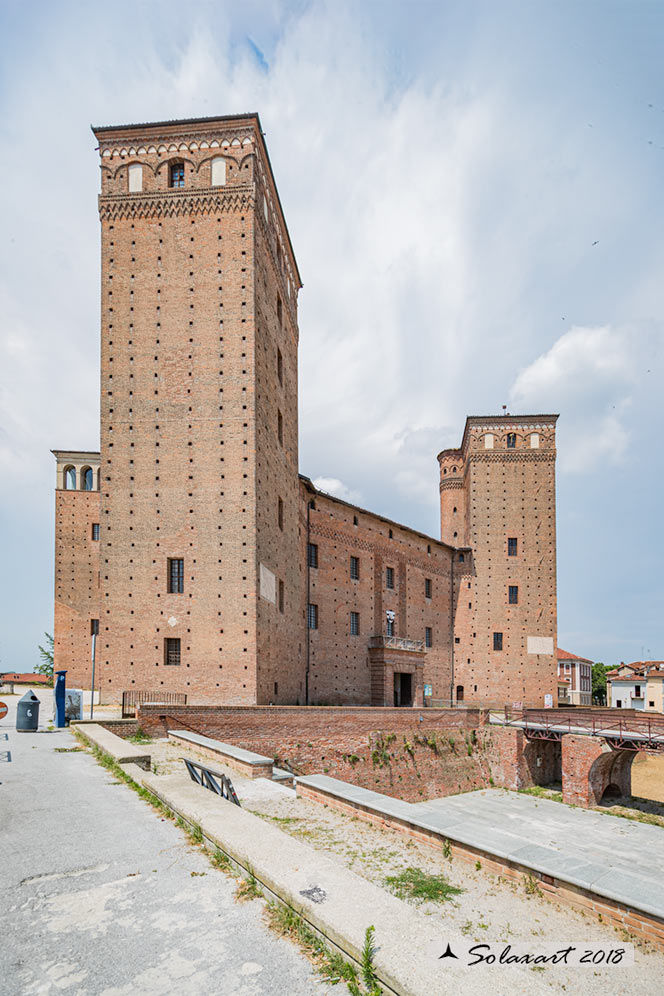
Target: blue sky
[{"x": 474, "y": 193}]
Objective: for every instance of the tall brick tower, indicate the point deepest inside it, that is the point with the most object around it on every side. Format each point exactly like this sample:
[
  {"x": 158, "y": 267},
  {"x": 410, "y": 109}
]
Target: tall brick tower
[
  {"x": 200, "y": 574},
  {"x": 498, "y": 498}
]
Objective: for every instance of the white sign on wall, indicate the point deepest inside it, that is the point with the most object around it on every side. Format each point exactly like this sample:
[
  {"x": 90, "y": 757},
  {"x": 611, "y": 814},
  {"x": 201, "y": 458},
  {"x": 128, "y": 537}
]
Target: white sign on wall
[
  {"x": 268, "y": 584},
  {"x": 540, "y": 644}
]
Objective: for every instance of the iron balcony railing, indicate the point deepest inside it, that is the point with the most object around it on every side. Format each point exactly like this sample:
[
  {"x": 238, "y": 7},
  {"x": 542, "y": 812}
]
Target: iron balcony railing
[{"x": 396, "y": 643}]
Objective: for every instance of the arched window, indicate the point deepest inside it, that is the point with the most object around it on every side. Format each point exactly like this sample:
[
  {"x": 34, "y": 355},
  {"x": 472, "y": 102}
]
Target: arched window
[
  {"x": 176, "y": 175},
  {"x": 87, "y": 479},
  {"x": 511, "y": 440},
  {"x": 70, "y": 479},
  {"x": 218, "y": 170}
]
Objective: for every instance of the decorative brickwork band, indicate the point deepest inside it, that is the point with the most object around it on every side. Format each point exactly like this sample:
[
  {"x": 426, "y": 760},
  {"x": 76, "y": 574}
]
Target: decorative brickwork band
[{"x": 174, "y": 203}]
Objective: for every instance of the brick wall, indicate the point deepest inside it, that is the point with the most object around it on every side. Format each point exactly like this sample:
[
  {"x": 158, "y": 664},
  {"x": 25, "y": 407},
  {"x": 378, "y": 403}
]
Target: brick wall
[
  {"x": 77, "y": 593},
  {"x": 387, "y": 750}
]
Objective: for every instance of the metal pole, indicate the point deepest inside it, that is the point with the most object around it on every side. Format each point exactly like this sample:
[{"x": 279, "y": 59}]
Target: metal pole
[{"x": 94, "y": 657}]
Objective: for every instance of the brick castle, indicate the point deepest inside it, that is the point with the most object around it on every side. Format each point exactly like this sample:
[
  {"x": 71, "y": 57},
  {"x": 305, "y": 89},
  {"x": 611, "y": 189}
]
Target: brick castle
[{"x": 190, "y": 544}]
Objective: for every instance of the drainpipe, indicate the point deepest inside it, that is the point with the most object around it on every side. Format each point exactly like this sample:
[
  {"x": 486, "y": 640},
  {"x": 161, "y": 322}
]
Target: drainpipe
[
  {"x": 306, "y": 615},
  {"x": 452, "y": 629}
]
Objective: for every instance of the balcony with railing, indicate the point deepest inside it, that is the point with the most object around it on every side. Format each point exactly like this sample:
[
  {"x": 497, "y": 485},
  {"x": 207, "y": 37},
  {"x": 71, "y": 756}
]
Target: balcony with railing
[{"x": 396, "y": 643}]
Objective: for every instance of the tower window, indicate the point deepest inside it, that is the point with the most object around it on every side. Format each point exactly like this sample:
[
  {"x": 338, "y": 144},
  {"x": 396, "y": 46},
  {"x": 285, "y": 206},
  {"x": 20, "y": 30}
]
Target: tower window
[
  {"x": 389, "y": 577},
  {"x": 176, "y": 179},
  {"x": 175, "y": 576},
  {"x": 355, "y": 624},
  {"x": 462, "y": 558},
  {"x": 280, "y": 427},
  {"x": 512, "y": 546},
  {"x": 511, "y": 440},
  {"x": 280, "y": 514},
  {"x": 87, "y": 479},
  {"x": 355, "y": 568},
  {"x": 95, "y": 530},
  {"x": 428, "y": 587},
  {"x": 313, "y": 555},
  {"x": 172, "y": 651},
  {"x": 513, "y": 594},
  {"x": 70, "y": 479},
  {"x": 497, "y": 641},
  {"x": 312, "y": 616},
  {"x": 94, "y": 627},
  {"x": 280, "y": 367},
  {"x": 281, "y": 596},
  {"x": 389, "y": 623},
  {"x": 428, "y": 636},
  {"x": 279, "y": 310}
]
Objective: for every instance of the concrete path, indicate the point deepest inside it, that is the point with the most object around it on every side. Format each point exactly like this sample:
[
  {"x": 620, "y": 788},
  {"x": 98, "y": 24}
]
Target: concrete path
[{"x": 101, "y": 897}]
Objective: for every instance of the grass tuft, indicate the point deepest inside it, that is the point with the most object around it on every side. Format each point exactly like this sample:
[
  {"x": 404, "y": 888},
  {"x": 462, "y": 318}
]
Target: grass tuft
[{"x": 417, "y": 885}]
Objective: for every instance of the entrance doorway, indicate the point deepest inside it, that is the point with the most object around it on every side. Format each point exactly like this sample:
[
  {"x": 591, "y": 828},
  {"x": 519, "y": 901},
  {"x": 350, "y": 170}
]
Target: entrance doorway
[{"x": 403, "y": 689}]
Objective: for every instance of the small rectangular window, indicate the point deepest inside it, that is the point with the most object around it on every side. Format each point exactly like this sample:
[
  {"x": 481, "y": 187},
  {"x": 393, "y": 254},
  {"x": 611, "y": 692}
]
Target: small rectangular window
[
  {"x": 511, "y": 440},
  {"x": 355, "y": 568},
  {"x": 175, "y": 576},
  {"x": 280, "y": 514},
  {"x": 281, "y": 596},
  {"x": 95, "y": 530},
  {"x": 427, "y": 587},
  {"x": 355, "y": 624},
  {"x": 390, "y": 625},
  {"x": 276, "y": 688},
  {"x": 428, "y": 637},
  {"x": 280, "y": 367},
  {"x": 176, "y": 175},
  {"x": 497, "y": 641},
  {"x": 389, "y": 577},
  {"x": 280, "y": 427},
  {"x": 312, "y": 616},
  {"x": 171, "y": 651},
  {"x": 512, "y": 546},
  {"x": 313, "y": 555},
  {"x": 513, "y": 594},
  {"x": 94, "y": 627}
]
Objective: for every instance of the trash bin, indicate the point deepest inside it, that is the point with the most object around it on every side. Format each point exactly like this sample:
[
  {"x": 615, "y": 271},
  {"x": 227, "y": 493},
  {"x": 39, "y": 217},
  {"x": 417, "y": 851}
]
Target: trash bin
[{"x": 27, "y": 713}]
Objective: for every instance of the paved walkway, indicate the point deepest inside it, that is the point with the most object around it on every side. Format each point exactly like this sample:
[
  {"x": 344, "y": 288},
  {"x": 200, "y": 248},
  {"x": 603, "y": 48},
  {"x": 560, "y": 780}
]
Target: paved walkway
[
  {"x": 100, "y": 897},
  {"x": 618, "y": 858}
]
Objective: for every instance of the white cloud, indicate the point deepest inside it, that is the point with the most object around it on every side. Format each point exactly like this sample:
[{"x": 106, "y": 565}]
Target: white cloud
[
  {"x": 588, "y": 376},
  {"x": 332, "y": 486}
]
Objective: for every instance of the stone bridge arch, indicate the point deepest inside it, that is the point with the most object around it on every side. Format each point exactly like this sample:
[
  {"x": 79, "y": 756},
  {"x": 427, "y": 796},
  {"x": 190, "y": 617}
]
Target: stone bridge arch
[{"x": 591, "y": 769}]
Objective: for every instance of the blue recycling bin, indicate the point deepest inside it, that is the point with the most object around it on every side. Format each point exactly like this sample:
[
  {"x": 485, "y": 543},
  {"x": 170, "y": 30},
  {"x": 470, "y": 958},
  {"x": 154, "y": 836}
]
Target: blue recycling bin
[{"x": 59, "y": 699}]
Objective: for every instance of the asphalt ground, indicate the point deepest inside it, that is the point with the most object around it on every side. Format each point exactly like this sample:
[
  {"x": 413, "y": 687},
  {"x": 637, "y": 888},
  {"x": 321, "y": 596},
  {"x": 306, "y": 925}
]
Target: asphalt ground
[{"x": 100, "y": 896}]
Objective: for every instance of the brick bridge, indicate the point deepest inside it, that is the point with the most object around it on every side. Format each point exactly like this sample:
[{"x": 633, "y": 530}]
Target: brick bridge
[{"x": 589, "y": 750}]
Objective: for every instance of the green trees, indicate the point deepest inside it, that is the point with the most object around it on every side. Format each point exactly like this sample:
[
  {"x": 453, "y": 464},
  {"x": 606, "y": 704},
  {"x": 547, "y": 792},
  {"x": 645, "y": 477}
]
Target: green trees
[
  {"x": 599, "y": 683},
  {"x": 46, "y": 654}
]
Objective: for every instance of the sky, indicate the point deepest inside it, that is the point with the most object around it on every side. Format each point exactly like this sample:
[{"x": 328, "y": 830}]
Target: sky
[{"x": 474, "y": 192}]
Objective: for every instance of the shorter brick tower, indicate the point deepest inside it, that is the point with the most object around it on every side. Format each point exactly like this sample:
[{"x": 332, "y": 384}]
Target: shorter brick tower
[{"x": 498, "y": 498}]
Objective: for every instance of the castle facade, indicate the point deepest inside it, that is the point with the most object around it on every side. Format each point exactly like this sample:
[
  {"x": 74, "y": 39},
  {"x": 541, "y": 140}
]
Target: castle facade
[{"x": 191, "y": 548}]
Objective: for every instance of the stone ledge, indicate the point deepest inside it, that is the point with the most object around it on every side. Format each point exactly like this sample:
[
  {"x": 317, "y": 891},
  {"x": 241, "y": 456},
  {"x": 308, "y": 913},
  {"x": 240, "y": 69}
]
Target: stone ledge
[
  {"x": 247, "y": 763},
  {"x": 613, "y": 892},
  {"x": 120, "y": 750}
]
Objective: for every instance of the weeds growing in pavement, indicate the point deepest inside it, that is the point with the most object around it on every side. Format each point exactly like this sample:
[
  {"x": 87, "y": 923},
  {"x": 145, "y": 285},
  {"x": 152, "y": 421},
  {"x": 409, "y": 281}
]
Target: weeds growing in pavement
[
  {"x": 140, "y": 737},
  {"x": 447, "y": 849},
  {"x": 420, "y": 886},
  {"x": 531, "y": 886}
]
